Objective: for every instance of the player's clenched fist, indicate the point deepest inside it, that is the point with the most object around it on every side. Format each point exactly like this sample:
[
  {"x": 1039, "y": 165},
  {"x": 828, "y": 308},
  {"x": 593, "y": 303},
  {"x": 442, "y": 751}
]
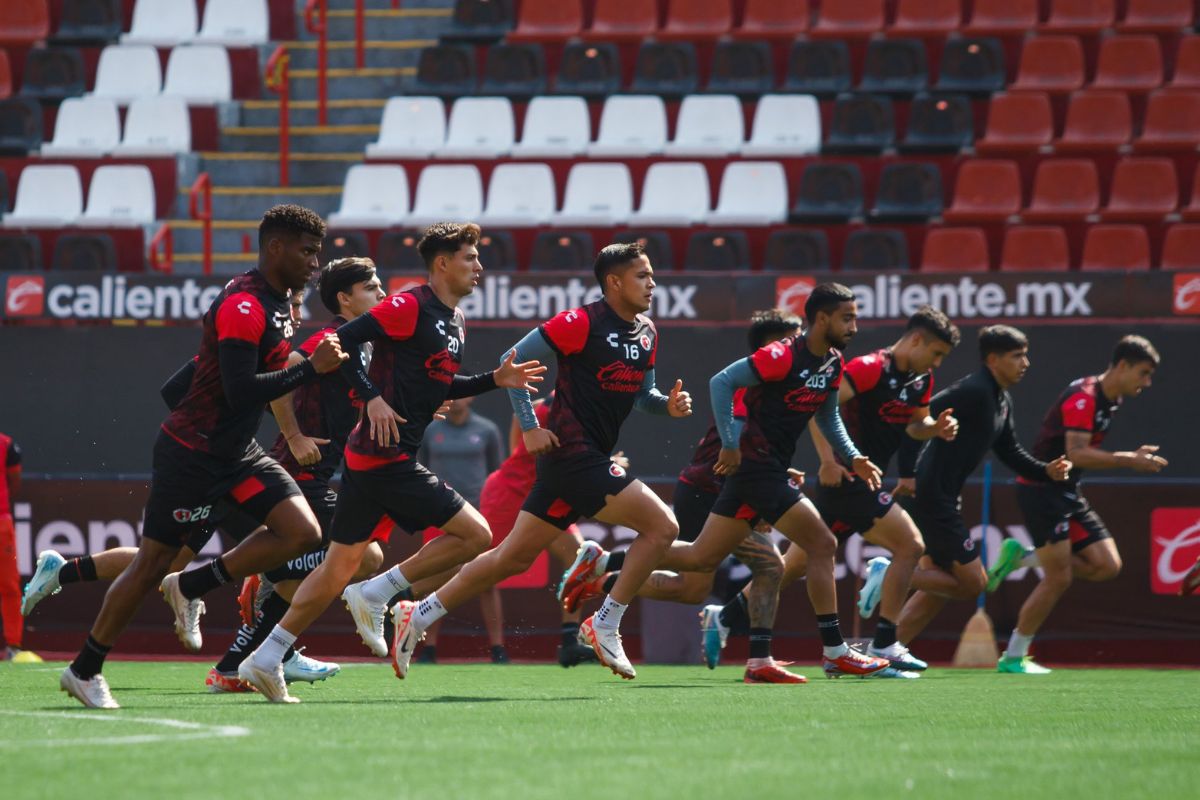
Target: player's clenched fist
[
  {"x": 328, "y": 355},
  {"x": 539, "y": 441},
  {"x": 1059, "y": 469}
]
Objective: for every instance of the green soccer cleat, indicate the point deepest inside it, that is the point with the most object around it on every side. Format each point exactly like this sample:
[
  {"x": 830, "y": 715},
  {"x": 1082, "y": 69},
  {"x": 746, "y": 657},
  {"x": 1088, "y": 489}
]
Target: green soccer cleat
[
  {"x": 1021, "y": 666},
  {"x": 1011, "y": 553}
]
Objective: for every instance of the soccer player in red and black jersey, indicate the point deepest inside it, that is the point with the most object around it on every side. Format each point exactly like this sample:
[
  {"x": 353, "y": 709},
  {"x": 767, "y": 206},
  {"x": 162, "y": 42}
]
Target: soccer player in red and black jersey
[
  {"x": 206, "y": 451},
  {"x": 1069, "y": 536},
  {"x": 418, "y": 340},
  {"x": 12, "y": 622},
  {"x": 606, "y": 354}
]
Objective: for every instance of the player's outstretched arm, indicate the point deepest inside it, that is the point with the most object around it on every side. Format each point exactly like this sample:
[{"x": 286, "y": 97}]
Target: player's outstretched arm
[
  {"x": 509, "y": 375},
  {"x": 1083, "y": 454},
  {"x": 532, "y": 348}
]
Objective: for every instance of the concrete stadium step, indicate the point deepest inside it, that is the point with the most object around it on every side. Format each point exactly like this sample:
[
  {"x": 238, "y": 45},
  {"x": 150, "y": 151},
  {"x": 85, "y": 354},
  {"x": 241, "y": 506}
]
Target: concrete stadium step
[
  {"x": 224, "y": 264},
  {"x": 352, "y": 84},
  {"x": 227, "y": 234},
  {"x": 262, "y": 169},
  {"x": 341, "y": 54},
  {"x": 384, "y": 23},
  {"x": 249, "y": 202},
  {"x": 304, "y": 138},
  {"x": 259, "y": 113}
]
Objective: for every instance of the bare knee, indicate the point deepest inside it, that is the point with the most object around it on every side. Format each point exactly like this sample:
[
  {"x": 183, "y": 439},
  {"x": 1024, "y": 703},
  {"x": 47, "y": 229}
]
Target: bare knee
[
  {"x": 1106, "y": 570},
  {"x": 768, "y": 571},
  {"x": 662, "y": 534},
  {"x": 821, "y": 547},
  {"x": 910, "y": 549},
  {"x": 1057, "y": 577},
  {"x": 477, "y": 539}
]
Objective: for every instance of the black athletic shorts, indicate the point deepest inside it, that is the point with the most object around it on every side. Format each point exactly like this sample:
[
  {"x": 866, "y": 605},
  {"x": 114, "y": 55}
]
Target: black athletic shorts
[
  {"x": 852, "y": 507},
  {"x": 404, "y": 493},
  {"x": 186, "y": 485},
  {"x": 757, "y": 491},
  {"x": 572, "y": 486},
  {"x": 692, "y": 507},
  {"x": 947, "y": 537},
  {"x": 1054, "y": 513}
]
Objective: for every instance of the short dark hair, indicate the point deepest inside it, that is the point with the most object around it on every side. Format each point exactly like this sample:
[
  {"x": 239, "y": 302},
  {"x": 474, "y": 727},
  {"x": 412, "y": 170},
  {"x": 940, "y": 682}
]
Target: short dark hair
[
  {"x": 1000, "y": 339},
  {"x": 339, "y": 276},
  {"x": 446, "y": 237},
  {"x": 937, "y": 324},
  {"x": 769, "y": 325},
  {"x": 1135, "y": 349},
  {"x": 289, "y": 220},
  {"x": 615, "y": 255},
  {"x": 826, "y": 297}
]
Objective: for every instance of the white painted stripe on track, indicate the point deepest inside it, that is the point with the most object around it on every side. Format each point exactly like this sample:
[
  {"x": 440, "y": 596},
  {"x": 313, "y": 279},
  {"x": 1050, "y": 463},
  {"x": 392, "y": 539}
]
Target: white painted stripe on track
[{"x": 191, "y": 730}]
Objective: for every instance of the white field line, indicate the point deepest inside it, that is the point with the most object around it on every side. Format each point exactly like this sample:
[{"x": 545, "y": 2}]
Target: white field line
[{"x": 190, "y": 730}]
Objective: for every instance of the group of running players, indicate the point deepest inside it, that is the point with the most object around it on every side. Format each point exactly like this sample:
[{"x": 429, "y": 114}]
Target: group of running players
[{"x": 360, "y": 393}]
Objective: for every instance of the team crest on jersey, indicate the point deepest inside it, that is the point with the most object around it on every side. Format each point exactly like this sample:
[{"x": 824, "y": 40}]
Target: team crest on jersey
[
  {"x": 792, "y": 483},
  {"x": 616, "y": 471},
  {"x": 969, "y": 545},
  {"x": 645, "y": 341}
]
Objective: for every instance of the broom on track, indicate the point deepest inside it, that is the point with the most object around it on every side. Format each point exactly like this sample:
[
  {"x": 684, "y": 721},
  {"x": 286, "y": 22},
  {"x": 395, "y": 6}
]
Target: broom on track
[{"x": 977, "y": 645}]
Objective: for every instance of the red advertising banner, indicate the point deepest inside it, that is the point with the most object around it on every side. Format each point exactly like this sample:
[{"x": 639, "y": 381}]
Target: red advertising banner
[{"x": 1174, "y": 547}]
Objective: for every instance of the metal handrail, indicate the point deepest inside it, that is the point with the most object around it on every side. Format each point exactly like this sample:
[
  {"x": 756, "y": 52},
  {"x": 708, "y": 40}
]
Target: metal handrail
[
  {"x": 202, "y": 188},
  {"x": 312, "y": 10},
  {"x": 278, "y": 81}
]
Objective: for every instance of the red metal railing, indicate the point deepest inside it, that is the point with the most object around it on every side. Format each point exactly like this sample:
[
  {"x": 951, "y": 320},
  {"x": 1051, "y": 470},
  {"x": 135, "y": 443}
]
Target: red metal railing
[
  {"x": 202, "y": 188},
  {"x": 277, "y": 80},
  {"x": 313, "y": 10},
  {"x": 166, "y": 240},
  {"x": 360, "y": 28}
]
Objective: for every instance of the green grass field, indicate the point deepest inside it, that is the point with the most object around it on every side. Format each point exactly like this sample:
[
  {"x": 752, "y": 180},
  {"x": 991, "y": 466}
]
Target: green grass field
[{"x": 482, "y": 731}]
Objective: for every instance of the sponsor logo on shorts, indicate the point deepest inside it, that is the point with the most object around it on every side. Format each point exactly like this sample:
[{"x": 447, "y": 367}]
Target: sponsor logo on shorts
[
  {"x": 885, "y": 498},
  {"x": 969, "y": 545},
  {"x": 1174, "y": 546},
  {"x": 616, "y": 471},
  {"x": 183, "y": 515},
  {"x": 792, "y": 483},
  {"x": 1063, "y": 527}
]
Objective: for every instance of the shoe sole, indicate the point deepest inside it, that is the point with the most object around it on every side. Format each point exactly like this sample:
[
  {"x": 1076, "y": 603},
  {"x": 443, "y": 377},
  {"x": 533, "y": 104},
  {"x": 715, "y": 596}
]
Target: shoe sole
[
  {"x": 594, "y": 643},
  {"x": 400, "y": 634},
  {"x": 709, "y": 629},
  {"x": 285, "y": 699},
  {"x": 756, "y": 682},
  {"x": 1004, "y": 567}
]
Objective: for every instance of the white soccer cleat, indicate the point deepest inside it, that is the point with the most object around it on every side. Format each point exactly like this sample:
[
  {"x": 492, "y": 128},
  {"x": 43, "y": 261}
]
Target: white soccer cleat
[
  {"x": 406, "y": 637},
  {"x": 302, "y": 668},
  {"x": 92, "y": 693},
  {"x": 269, "y": 682},
  {"x": 606, "y": 643},
  {"x": 44, "y": 581},
  {"x": 868, "y": 596},
  {"x": 187, "y": 612},
  {"x": 368, "y": 618}
]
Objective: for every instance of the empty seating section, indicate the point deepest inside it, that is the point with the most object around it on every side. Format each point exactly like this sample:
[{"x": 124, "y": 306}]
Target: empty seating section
[
  {"x": 128, "y": 71},
  {"x": 480, "y": 127},
  {"x": 708, "y": 126},
  {"x": 162, "y": 23}
]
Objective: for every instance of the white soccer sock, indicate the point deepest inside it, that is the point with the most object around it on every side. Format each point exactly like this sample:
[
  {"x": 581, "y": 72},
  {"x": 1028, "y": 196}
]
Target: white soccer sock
[
  {"x": 1030, "y": 560},
  {"x": 609, "y": 615},
  {"x": 836, "y": 652},
  {"x": 1018, "y": 645},
  {"x": 429, "y": 611},
  {"x": 270, "y": 652},
  {"x": 384, "y": 587}
]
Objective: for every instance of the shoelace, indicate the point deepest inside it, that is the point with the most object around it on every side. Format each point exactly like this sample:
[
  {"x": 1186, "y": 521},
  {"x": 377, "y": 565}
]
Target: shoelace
[{"x": 194, "y": 609}]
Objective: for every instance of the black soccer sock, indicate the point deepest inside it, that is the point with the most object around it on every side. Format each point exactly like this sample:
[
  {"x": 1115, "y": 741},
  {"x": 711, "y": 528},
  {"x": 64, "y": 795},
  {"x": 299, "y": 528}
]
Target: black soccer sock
[
  {"x": 570, "y": 633},
  {"x": 610, "y": 582},
  {"x": 90, "y": 660},
  {"x": 403, "y": 594},
  {"x": 198, "y": 582},
  {"x": 77, "y": 570},
  {"x": 249, "y": 638},
  {"x": 760, "y": 642},
  {"x": 735, "y": 615},
  {"x": 615, "y": 561},
  {"x": 831, "y": 632},
  {"x": 885, "y": 634}
]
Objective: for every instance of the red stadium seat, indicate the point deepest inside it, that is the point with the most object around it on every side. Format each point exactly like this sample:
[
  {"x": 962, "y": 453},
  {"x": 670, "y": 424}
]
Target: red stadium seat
[
  {"x": 1157, "y": 16},
  {"x": 985, "y": 191},
  {"x": 773, "y": 19},
  {"x": 1051, "y": 64},
  {"x": 1172, "y": 122},
  {"x": 1191, "y": 212},
  {"x": 6, "y": 81},
  {"x": 623, "y": 20},
  {"x": 846, "y": 19},
  {"x": 1035, "y": 248},
  {"x": 1003, "y": 17},
  {"x": 927, "y": 17},
  {"x": 1064, "y": 189},
  {"x": 1129, "y": 63},
  {"x": 1181, "y": 247},
  {"x": 24, "y": 22},
  {"x": 548, "y": 21},
  {"x": 697, "y": 19},
  {"x": 1187, "y": 64},
  {"x": 1143, "y": 190},
  {"x": 1116, "y": 247},
  {"x": 955, "y": 250},
  {"x": 1080, "y": 16},
  {"x": 1096, "y": 121},
  {"x": 1017, "y": 122}
]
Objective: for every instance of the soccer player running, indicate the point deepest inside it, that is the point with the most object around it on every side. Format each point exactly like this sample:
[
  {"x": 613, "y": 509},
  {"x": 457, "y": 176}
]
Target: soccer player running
[
  {"x": 606, "y": 354},
  {"x": 1069, "y": 536},
  {"x": 418, "y": 339},
  {"x": 984, "y": 409},
  {"x": 206, "y": 451}
]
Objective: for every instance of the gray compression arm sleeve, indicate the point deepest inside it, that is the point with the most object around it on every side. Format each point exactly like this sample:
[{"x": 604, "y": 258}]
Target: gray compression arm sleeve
[
  {"x": 649, "y": 399},
  {"x": 720, "y": 392},
  {"x": 829, "y": 422},
  {"x": 533, "y": 347}
]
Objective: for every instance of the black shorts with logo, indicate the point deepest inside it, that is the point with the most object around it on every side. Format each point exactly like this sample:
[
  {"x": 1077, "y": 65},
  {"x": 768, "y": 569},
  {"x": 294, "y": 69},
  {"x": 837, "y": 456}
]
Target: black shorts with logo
[
  {"x": 405, "y": 493},
  {"x": 692, "y": 507},
  {"x": 1054, "y": 513},
  {"x": 852, "y": 507},
  {"x": 947, "y": 537},
  {"x": 572, "y": 486},
  {"x": 757, "y": 491}
]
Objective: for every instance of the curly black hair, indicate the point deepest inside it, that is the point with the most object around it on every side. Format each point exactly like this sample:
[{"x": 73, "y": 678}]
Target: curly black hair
[
  {"x": 446, "y": 237},
  {"x": 289, "y": 220}
]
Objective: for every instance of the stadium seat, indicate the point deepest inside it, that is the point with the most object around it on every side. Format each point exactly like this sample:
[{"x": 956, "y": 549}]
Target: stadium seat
[
  {"x": 119, "y": 196},
  {"x": 820, "y": 68},
  {"x": 939, "y": 123},
  {"x": 1181, "y": 248},
  {"x": 53, "y": 74},
  {"x": 86, "y": 127},
  {"x": 1172, "y": 121},
  {"x": 708, "y": 125},
  {"x": 480, "y": 127},
  {"x": 25, "y": 22},
  {"x": 1064, "y": 190},
  {"x": 785, "y": 125},
  {"x": 234, "y": 23},
  {"x": 1080, "y": 16},
  {"x": 752, "y": 193},
  {"x": 548, "y": 21},
  {"x": 985, "y": 191},
  {"x": 666, "y": 68},
  {"x": 589, "y": 69},
  {"x": 848, "y": 19},
  {"x": 631, "y": 126},
  {"x": 955, "y": 250},
  {"x": 717, "y": 251},
  {"x": 773, "y": 19},
  {"x": 862, "y": 123},
  {"x": 1109, "y": 247},
  {"x": 6, "y": 76},
  {"x": 1143, "y": 190},
  {"x": 200, "y": 74},
  {"x": 1187, "y": 64},
  {"x": 1157, "y": 16},
  {"x": 446, "y": 191},
  {"x": 1035, "y": 248},
  {"x": 1129, "y": 63},
  {"x": 933, "y": 18},
  {"x": 21, "y": 253},
  {"x": 1096, "y": 121},
  {"x": 555, "y": 127},
  {"x": 397, "y": 251},
  {"x": 1018, "y": 122},
  {"x": 877, "y": 249},
  {"x": 48, "y": 196},
  {"x": 1191, "y": 212},
  {"x": 562, "y": 251},
  {"x": 520, "y": 196},
  {"x": 1050, "y": 64},
  {"x": 623, "y": 20},
  {"x": 829, "y": 193},
  {"x": 797, "y": 250},
  {"x": 84, "y": 252},
  {"x": 128, "y": 71},
  {"x": 674, "y": 195},
  {"x": 908, "y": 192},
  {"x": 1003, "y": 17},
  {"x": 517, "y": 71},
  {"x": 162, "y": 23},
  {"x": 657, "y": 245},
  {"x": 344, "y": 243},
  {"x": 481, "y": 21},
  {"x": 446, "y": 70},
  {"x": 895, "y": 66},
  {"x": 20, "y": 126},
  {"x": 156, "y": 126},
  {"x": 974, "y": 65},
  {"x": 89, "y": 21},
  {"x": 412, "y": 127},
  {"x": 373, "y": 196},
  {"x": 497, "y": 251},
  {"x": 597, "y": 194},
  {"x": 743, "y": 68},
  {"x": 697, "y": 20}
]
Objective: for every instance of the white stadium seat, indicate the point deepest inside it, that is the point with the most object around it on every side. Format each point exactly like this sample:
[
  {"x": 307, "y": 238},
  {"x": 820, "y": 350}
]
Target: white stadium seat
[
  {"x": 200, "y": 74},
  {"x": 447, "y": 193},
  {"x": 412, "y": 127},
  {"x": 597, "y": 194},
  {"x": 519, "y": 196},
  {"x": 785, "y": 125},
  {"x": 86, "y": 127},
  {"x": 480, "y": 127},
  {"x": 235, "y": 23},
  {"x": 373, "y": 196},
  {"x": 162, "y": 23},
  {"x": 48, "y": 196},
  {"x": 555, "y": 127},
  {"x": 752, "y": 193},
  {"x": 156, "y": 126},
  {"x": 708, "y": 125},
  {"x": 126, "y": 72},
  {"x": 631, "y": 125},
  {"x": 119, "y": 196},
  {"x": 674, "y": 195}
]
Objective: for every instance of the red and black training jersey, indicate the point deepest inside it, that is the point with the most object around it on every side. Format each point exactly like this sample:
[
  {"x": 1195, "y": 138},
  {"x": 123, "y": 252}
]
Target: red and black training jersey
[
  {"x": 883, "y": 405},
  {"x": 10, "y": 460},
  {"x": 250, "y": 312},
  {"x": 795, "y": 384},
  {"x": 602, "y": 362},
  {"x": 699, "y": 473},
  {"x": 1082, "y": 406}
]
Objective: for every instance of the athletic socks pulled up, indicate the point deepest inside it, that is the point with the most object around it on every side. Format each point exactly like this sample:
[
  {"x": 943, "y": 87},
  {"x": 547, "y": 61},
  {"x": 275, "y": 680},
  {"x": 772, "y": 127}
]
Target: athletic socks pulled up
[
  {"x": 429, "y": 611},
  {"x": 831, "y": 634},
  {"x": 735, "y": 616},
  {"x": 90, "y": 660},
  {"x": 1018, "y": 645},
  {"x": 198, "y": 582},
  {"x": 384, "y": 587},
  {"x": 273, "y": 649},
  {"x": 760, "y": 643},
  {"x": 77, "y": 570},
  {"x": 885, "y": 634},
  {"x": 609, "y": 615},
  {"x": 614, "y": 562},
  {"x": 249, "y": 638}
]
